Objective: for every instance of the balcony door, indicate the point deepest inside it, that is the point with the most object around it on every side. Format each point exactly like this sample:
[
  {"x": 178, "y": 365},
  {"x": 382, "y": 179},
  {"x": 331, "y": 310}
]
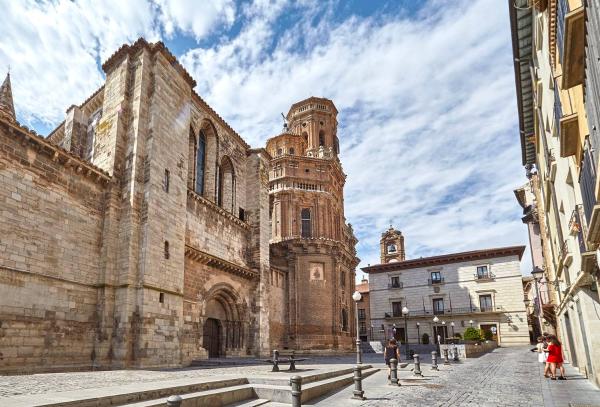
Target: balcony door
[{"x": 438, "y": 306}]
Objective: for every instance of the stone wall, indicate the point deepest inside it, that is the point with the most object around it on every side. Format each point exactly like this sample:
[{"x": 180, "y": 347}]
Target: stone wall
[{"x": 51, "y": 221}]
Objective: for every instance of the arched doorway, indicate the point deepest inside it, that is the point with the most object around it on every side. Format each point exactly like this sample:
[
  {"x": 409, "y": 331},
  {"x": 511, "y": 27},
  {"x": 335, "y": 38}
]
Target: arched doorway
[
  {"x": 224, "y": 327},
  {"x": 212, "y": 337}
]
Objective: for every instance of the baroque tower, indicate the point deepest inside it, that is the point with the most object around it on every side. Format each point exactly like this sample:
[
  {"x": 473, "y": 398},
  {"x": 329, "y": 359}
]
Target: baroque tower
[
  {"x": 312, "y": 247},
  {"x": 391, "y": 246}
]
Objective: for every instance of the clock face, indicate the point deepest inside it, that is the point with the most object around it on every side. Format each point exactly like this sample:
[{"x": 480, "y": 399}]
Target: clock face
[{"x": 316, "y": 271}]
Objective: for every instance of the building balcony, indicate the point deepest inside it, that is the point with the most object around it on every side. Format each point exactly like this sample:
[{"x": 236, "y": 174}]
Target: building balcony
[
  {"x": 435, "y": 281},
  {"x": 396, "y": 285},
  {"x": 565, "y": 256},
  {"x": 484, "y": 276},
  {"x": 451, "y": 311},
  {"x": 570, "y": 33}
]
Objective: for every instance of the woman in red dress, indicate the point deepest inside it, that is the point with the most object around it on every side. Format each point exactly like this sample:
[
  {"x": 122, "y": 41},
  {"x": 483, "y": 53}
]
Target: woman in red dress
[{"x": 555, "y": 358}]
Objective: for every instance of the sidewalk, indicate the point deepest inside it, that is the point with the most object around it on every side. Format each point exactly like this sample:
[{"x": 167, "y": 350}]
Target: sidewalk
[{"x": 576, "y": 390}]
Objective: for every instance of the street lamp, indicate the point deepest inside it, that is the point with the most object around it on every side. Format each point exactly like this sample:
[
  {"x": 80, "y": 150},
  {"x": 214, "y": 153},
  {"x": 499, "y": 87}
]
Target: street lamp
[
  {"x": 471, "y": 322},
  {"x": 435, "y": 321},
  {"x": 538, "y": 274},
  {"x": 356, "y": 297},
  {"x": 418, "y": 333},
  {"x": 405, "y": 312},
  {"x": 452, "y": 325}
]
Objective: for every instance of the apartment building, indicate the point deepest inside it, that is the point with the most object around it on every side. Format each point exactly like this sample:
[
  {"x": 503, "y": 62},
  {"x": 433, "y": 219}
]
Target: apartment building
[
  {"x": 443, "y": 295},
  {"x": 555, "y": 50}
]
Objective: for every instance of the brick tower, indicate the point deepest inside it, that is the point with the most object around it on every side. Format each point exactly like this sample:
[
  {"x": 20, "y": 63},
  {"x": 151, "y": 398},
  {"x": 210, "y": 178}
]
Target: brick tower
[
  {"x": 312, "y": 247},
  {"x": 392, "y": 246}
]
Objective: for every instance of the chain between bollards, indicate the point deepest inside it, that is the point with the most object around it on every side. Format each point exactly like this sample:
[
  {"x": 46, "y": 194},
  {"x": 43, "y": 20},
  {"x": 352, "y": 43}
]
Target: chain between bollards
[
  {"x": 174, "y": 401},
  {"x": 358, "y": 393},
  {"x": 394, "y": 372},
  {"x": 434, "y": 365},
  {"x": 417, "y": 369},
  {"x": 296, "y": 383},
  {"x": 446, "y": 361}
]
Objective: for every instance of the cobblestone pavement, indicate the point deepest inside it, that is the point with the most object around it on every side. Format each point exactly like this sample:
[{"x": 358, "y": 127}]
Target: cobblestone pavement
[{"x": 505, "y": 377}]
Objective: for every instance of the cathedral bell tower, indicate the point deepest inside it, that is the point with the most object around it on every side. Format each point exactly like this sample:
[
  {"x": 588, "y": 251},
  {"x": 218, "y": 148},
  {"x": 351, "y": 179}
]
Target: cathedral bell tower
[
  {"x": 311, "y": 244},
  {"x": 392, "y": 246}
]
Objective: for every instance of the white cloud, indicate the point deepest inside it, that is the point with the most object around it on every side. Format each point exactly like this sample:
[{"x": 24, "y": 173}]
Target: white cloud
[
  {"x": 197, "y": 18},
  {"x": 427, "y": 108},
  {"x": 427, "y": 116}
]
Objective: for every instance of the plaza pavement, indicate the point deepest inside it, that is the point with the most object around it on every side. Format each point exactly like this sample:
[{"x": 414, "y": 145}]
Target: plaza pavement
[{"x": 505, "y": 377}]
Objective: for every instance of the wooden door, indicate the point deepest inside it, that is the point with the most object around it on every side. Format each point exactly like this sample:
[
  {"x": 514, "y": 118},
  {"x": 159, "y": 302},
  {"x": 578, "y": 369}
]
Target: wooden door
[{"x": 212, "y": 337}]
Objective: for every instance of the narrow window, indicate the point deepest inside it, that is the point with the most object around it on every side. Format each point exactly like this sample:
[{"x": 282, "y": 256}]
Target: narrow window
[
  {"x": 242, "y": 214},
  {"x": 166, "y": 181},
  {"x": 395, "y": 282},
  {"x": 438, "y": 306},
  {"x": 200, "y": 162},
  {"x": 344, "y": 320},
  {"x": 292, "y": 151},
  {"x": 166, "y": 249},
  {"x": 161, "y": 298},
  {"x": 306, "y": 226},
  {"x": 485, "y": 302},
  {"x": 321, "y": 138},
  {"x": 397, "y": 308},
  {"x": 342, "y": 279}
]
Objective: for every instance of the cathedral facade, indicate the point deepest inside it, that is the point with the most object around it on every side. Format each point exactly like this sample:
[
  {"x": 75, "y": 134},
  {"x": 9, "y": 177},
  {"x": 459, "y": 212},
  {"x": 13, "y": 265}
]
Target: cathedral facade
[{"x": 145, "y": 232}]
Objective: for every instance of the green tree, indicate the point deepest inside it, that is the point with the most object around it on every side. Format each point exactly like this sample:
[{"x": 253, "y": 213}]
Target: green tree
[{"x": 472, "y": 334}]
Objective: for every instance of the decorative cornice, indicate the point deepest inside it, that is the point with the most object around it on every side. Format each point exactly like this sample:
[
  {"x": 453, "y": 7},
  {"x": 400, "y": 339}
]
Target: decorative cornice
[
  {"x": 217, "y": 209},
  {"x": 58, "y": 154},
  {"x": 153, "y": 48},
  {"x": 222, "y": 264},
  {"x": 447, "y": 259}
]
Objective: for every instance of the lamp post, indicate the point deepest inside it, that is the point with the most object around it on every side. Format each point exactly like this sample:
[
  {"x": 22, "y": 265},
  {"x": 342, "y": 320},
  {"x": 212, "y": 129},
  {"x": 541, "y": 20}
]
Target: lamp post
[
  {"x": 418, "y": 333},
  {"x": 538, "y": 274},
  {"x": 435, "y": 334},
  {"x": 452, "y": 325},
  {"x": 444, "y": 331},
  {"x": 471, "y": 322},
  {"x": 405, "y": 312},
  {"x": 356, "y": 297},
  {"x": 372, "y": 332}
]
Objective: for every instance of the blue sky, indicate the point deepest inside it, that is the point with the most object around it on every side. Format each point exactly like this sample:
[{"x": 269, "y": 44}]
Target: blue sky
[{"x": 425, "y": 90}]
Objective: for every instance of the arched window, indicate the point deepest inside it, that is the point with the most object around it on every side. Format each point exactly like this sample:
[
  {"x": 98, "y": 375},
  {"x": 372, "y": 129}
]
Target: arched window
[
  {"x": 305, "y": 136},
  {"x": 292, "y": 151},
  {"x": 391, "y": 248},
  {"x": 321, "y": 138},
  {"x": 344, "y": 320},
  {"x": 305, "y": 221},
  {"x": 226, "y": 196},
  {"x": 200, "y": 163},
  {"x": 279, "y": 151}
]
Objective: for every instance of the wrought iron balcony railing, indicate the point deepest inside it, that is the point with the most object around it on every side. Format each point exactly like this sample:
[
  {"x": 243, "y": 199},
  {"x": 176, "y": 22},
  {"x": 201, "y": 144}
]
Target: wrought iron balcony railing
[
  {"x": 396, "y": 285},
  {"x": 484, "y": 276},
  {"x": 435, "y": 281},
  {"x": 450, "y": 311}
]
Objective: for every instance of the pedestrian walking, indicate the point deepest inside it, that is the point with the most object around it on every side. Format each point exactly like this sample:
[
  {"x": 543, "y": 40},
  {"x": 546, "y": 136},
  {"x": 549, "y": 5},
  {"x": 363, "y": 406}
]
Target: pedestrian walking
[
  {"x": 545, "y": 342},
  {"x": 540, "y": 350},
  {"x": 391, "y": 352},
  {"x": 555, "y": 358}
]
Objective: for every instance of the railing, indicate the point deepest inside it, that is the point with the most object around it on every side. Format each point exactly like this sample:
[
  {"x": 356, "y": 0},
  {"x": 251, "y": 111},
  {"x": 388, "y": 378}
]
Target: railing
[
  {"x": 451, "y": 311},
  {"x": 576, "y": 227},
  {"x": 562, "y": 9},
  {"x": 564, "y": 250},
  {"x": 435, "y": 281},
  {"x": 396, "y": 285},
  {"x": 557, "y": 109},
  {"x": 587, "y": 182},
  {"x": 485, "y": 276}
]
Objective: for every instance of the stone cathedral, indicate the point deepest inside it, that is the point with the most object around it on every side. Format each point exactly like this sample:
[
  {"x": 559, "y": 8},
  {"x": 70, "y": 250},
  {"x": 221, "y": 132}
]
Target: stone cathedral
[{"x": 145, "y": 232}]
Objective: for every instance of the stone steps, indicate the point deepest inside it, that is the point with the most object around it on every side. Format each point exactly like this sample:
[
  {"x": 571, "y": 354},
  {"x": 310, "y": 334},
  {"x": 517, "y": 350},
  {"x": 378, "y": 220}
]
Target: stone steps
[{"x": 251, "y": 403}]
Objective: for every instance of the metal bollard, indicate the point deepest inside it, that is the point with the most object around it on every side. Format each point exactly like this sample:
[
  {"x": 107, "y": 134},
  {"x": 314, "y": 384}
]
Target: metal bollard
[
  {"x": 174, "y": 401},
  {"x": 434, "y": 365},
  {"x": 455, "y": 354},
  {"x": 296, "y": 383},
  {"x": 394, "y": 372},
  {"x": 417, "y": 365},
  {"x": 446, "y": 361},
  {"x": 358, "y": 393},
  {"x": 275, "y": 361}
]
